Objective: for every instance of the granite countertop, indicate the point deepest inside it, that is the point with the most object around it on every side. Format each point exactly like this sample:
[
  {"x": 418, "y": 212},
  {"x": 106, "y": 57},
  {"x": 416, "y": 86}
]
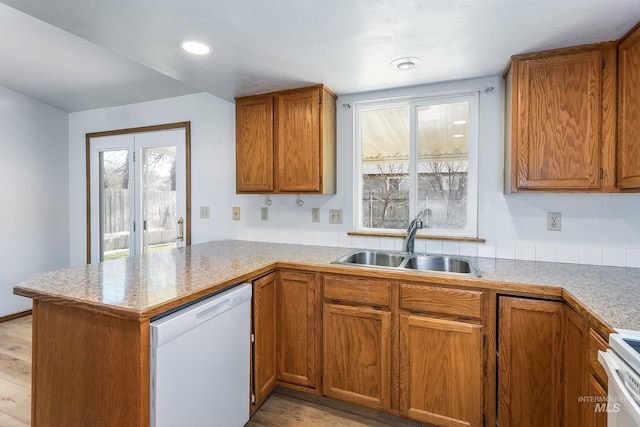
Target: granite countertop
[{"x": 159, "y": 281}]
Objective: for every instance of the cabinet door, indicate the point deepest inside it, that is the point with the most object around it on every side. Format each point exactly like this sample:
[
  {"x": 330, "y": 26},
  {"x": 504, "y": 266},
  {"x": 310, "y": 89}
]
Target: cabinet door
[
  {"x": 298, "y": 140},
  {"x": 296, "y": 325},
  {"x": 596, "y": 411},
  {"x": 254, "y": 144},
  {"x": 629, "y": 111},
  {"x": 529, "y": 362},
  {"x": 357, "y": 355},
  {"x": 559, "y": 114},
  {"x": 441, "y": 371},
  {"x": 264, "y": 330},
  {"x": 576, "y": 367}
]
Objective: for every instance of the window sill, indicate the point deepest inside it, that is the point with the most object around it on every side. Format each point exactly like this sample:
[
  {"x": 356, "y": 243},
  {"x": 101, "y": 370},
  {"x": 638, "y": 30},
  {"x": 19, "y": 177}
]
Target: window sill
[{"x": 402, "y": 235}]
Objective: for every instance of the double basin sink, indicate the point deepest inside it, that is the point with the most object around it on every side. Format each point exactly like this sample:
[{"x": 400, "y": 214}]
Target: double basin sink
[{"x": 402, "y": 261}]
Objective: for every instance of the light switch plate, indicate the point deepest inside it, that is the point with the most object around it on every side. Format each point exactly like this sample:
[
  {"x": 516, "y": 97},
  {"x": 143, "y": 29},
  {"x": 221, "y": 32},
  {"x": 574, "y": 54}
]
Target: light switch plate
[
  {"x": 236, "y": 213},
  {"x": 264, "y": 213},
  {"x": 335, "y": 216},
  {"x": 204, "y": 211},
  {"x": 315, "y": 214}
]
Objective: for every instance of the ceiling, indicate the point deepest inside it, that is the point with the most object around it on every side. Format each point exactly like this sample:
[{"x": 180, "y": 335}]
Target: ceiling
[{"x": 84, "y": 54}]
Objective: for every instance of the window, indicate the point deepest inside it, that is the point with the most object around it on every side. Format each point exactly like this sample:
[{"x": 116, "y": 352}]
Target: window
[{"x": 418, "y": 158}]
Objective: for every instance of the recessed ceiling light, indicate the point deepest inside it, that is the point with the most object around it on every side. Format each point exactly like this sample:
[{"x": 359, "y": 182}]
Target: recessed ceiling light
[
  {"x": 458, "y": 135},
  {"x": 459, "y": 122},
  {"x": 405, "y": 64},
  {"x": 195, "y": 47}
]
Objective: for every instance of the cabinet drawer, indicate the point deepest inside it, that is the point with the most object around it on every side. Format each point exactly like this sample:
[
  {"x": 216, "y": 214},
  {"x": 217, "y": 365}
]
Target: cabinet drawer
[
  {"x": 358, "y": 290},
  {"x": 597, "y": 343},
  {"x": 457, "y": 302}
]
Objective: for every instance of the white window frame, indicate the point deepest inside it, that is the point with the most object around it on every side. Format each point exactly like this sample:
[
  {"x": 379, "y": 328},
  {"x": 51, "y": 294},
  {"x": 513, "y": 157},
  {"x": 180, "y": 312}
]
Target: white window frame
[{"x": 473, "y": 97}]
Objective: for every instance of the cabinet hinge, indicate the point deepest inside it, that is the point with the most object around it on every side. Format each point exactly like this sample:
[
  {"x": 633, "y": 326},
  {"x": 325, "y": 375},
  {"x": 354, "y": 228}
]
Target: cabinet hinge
[
  {"x": 484, "y": 420},
  {"x": 253, "y": 398},
  {"x": 484, "y": 341},
  {"x": 253, "y": 338},
  {"x": 320, "y": 99},
  {"x": 603, "y": 63},
  {"x": 601, "y": 173},
  {"x": 320, "y": 179}
]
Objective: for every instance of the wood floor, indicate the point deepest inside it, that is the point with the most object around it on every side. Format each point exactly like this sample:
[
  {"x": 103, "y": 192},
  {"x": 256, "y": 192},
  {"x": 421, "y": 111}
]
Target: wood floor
[{"x": 15, "y": 391}]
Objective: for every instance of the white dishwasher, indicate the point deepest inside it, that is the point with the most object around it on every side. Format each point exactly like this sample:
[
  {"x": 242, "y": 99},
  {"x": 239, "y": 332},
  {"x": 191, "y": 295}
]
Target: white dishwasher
[{"x": 200, "y": 362}]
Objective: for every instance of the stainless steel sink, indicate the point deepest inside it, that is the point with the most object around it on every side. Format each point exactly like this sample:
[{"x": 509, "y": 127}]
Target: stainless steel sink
[
  {"x": 378, "y": 259},
  {"x": 402, "y": 261},
  {"x": 446, "y": 264}
]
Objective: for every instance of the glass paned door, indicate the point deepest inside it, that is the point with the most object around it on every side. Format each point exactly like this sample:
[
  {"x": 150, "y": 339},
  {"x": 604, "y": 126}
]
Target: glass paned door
[
  {"x": 115, "y": 204},
  {"x": 138, "y": 193}
]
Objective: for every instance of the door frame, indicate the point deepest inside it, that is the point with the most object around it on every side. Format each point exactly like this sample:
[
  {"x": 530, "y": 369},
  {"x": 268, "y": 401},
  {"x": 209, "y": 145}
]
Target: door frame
[{"x": 167, "y": 126}]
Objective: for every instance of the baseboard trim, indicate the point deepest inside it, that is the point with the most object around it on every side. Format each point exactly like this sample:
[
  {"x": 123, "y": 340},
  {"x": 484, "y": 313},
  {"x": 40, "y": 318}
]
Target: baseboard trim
[{"x": 15, "y": 316}]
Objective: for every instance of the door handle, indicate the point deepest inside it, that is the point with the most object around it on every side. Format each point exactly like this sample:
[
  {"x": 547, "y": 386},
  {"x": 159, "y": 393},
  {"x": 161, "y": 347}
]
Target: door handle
[{"x": 180, "y": 237}]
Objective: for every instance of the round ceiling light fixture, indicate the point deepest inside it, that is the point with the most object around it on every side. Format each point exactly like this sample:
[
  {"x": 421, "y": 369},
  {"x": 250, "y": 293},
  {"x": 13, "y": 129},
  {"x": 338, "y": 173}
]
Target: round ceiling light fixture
[
  {"x": 406, "y": 63},
  {"x": 196, "y": 47}
]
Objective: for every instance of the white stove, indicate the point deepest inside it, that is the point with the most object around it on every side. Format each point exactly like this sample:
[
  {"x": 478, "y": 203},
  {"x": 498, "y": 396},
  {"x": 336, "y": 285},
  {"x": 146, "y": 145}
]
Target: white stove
[{"x": 622, "y": 364}]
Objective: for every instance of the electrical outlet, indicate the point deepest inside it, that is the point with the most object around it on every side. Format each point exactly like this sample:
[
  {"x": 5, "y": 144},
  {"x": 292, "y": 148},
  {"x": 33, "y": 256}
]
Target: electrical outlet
[
  {"x": 554, "y": 221},
  {"x": 264, "y": 213},
  {"x": 204, "y": 211},
  {"x": 335, "y": 216},
  {"x": 315, "y": 214},
  {"x": 236, "y": 213}
]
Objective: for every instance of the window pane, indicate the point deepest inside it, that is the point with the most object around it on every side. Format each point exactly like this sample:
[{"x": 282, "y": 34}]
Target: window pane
[
  {"x": 159, "y": 198},
  {"x": 114, "y": 205},
  {"x": 385, "y": 167},
  {"x": 443, "y": 160}
]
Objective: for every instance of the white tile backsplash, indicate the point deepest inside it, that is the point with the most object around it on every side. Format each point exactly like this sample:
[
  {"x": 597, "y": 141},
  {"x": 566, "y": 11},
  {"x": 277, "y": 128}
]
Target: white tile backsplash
[
  {"x": 487, "y": 249},
  {"x": 434, "y": 247},
  {"x": 546, "y": 252},
  {"x": 388, "y": 243},
  {"x": 451, "y": 247},
  {"x": 590, "y": 255},
  {"x": 469, "y": 249},
  {"x": 506, "y": 250},
  {"x": 526, "y": 251},
  {"x": 614, "y": 257},
  {"x": 520, "y": 250},
  {"x": 633, "y": 258},
  {"x": 568, "y": 254}
]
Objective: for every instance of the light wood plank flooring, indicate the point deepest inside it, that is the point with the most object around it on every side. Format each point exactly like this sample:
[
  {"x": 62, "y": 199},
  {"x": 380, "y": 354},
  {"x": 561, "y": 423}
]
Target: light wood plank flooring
[{"x": 15, "y": 391}]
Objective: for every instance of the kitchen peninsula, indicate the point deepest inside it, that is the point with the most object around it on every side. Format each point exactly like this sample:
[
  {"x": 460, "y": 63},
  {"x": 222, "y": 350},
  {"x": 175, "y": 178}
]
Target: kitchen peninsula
[{"x": 91, "y": 323}]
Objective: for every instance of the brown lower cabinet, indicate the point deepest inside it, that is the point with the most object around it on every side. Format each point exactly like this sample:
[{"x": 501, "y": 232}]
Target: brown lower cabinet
[
  {"x": 264, "y": 337},
  {"x": 357, "y": 355},
  {"x": 529, "y": 362},
  {"x": 284, "y": 332},
  {"x": 296, "y": 328},
  {"x": 419, "y": 350},
  {"x": 441, "y": 371},
  {"x": 543, "y": 365},
  {"x": 596, "y": 413}
]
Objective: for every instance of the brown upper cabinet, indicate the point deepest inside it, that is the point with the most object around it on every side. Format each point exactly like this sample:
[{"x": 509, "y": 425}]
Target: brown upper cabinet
[
  {"x": 571, "y": 118},
  {"x": 629, "y": 110},
  {"x": 560, "y": 124},
  {"x": 286, "y": 142}
]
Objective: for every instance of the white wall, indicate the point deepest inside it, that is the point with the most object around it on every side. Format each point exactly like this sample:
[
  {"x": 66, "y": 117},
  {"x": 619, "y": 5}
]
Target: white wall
[
  {"x": 596, "y": 228},
  {"x": 34, "y": 218},
  {"x": 212, "y": 159}
]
